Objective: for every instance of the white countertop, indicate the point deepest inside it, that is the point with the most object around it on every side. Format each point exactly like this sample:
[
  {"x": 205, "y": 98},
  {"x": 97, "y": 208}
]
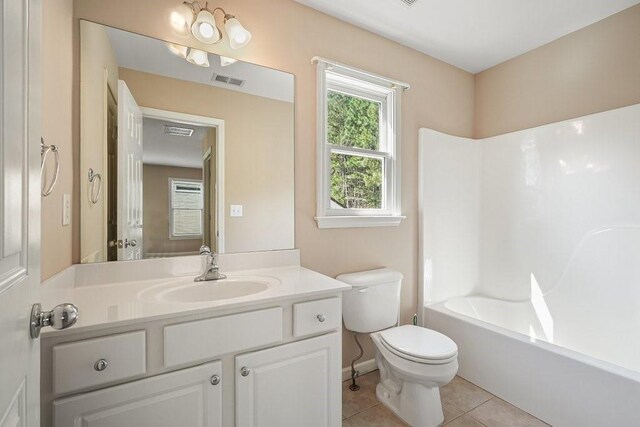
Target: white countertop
[{"x": 126, "y": 302}]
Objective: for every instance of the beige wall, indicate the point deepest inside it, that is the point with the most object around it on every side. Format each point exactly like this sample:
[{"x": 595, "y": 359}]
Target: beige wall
[
  {"x": 57, "y": 119},
  {"x": 286, "y": 36},
  {"x": 258, "y": 154},
  {"x": 156, "y": 209},
  {"x": 98, "y": 70},
  {"x": 591, "y": 70}
]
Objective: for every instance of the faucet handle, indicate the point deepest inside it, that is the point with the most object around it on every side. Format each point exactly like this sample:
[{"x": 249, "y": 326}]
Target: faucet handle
[{"x": 205, "y": 250}]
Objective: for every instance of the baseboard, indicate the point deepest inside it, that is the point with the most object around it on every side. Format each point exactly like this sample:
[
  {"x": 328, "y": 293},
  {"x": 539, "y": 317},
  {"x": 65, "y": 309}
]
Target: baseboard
[{"x": 363, "y": 367}]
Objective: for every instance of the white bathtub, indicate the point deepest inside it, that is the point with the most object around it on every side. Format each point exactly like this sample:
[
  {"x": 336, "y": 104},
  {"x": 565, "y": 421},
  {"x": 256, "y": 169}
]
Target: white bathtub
[
  {"x": 570, "y": 379},
  {"x": 544, "y": 223}
]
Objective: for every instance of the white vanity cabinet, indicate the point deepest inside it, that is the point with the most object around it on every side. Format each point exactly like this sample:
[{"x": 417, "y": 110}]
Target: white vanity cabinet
[
  {"x": 290, "y": 385},
  {"x": 190, "y": 397},
  {"x": 270, "y": 364}
]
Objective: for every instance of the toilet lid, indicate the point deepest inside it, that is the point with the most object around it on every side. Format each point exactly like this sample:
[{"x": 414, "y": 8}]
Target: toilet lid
[{"x": 421, "y": 343}]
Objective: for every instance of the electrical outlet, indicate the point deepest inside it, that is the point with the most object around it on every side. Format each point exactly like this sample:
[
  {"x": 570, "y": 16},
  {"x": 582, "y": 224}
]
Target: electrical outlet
[
  {"x": 236, "y": 210},
  {"x": 66, "y": 209}
]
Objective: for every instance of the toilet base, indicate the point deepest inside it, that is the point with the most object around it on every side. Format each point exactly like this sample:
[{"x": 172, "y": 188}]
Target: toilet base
[{"x": 417, "y": 404}]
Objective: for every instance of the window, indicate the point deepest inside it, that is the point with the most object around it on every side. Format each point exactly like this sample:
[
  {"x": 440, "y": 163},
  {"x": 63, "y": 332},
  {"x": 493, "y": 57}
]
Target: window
[
  {"x": 358, "y": 148},
  {"x": 186, "y": 206}
]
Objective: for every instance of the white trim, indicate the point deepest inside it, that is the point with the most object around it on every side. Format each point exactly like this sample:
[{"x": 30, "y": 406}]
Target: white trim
[
  {"x": 191, "y": 119},
  {"x": 390, "y": 140},
  {"x": 360, "y": 74},
  {"x": 363, "y": 368},
  {"x": 358, "y": 221}
]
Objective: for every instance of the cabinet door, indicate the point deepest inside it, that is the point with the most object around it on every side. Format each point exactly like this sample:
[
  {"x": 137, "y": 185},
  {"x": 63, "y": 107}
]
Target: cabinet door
[
  {"x": 291, "y": 385},
  {"x": 184, "y": 398}
]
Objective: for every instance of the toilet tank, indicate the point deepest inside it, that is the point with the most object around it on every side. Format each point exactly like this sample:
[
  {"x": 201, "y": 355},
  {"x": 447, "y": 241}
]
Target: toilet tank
[{"x": 373, "y": 302}]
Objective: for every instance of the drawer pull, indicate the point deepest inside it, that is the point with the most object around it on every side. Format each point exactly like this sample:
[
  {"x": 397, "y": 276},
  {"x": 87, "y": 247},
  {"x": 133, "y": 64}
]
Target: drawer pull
[
  {"x": 215, "y": 380},
  {"x": 244, "y": 371},
  {"x": 321, "y": 318},
  {"x": 101, "y": 365}
]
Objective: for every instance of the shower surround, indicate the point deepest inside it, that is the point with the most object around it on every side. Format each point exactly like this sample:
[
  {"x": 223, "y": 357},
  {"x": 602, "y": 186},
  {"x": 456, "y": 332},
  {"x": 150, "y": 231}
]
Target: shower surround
[{"x": 530, "y": 261}]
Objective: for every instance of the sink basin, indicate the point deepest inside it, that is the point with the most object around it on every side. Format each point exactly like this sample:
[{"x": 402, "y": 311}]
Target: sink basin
[{"x": 215, "y": 290}]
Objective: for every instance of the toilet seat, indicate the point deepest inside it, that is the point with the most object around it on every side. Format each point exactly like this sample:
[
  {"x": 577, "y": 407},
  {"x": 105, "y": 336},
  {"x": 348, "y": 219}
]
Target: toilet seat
[{"x": 419, "y": 344}]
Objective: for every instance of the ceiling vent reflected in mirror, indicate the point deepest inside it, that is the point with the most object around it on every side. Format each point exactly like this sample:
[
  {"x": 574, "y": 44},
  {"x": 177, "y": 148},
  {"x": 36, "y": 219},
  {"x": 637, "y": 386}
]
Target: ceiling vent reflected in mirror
[
  {"x": 177, "y": 130},
  {"x": 227, "y": 80}
]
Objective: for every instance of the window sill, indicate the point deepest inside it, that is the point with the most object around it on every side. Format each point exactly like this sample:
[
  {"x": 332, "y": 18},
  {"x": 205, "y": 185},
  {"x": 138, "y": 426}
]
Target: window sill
[{"x": 358, "y": 221}]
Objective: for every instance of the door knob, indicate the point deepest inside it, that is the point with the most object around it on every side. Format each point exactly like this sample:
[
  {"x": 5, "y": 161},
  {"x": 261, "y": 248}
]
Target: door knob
[
  {"x": 244, "y": 371},
  {"x": 133, "y": 243},
  {"x": 61, "y": 317}
]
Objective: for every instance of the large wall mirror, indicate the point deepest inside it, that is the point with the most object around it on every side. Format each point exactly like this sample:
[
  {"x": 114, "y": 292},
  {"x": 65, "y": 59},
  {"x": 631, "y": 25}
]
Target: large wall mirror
[{"x": 181, "y": 148}]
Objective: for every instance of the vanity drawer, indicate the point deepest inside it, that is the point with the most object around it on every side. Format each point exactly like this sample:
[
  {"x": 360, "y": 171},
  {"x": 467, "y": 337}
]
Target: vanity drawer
[
  {"x": 98, "y": 361},
  {"x": 316, "y": 316},
  {"x": 204, "y": 339}
]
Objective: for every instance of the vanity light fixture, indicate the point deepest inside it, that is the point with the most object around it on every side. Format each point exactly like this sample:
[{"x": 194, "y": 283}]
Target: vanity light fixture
[
  {"x": 204, "y": 28},
  {"x": 178, "y": 50},
  {"x": 225, "y": 60},
  {"x": 200, "y": 21},
  {"x": 198, "y": 57},
  {"x": 238, "y": 35},
  {"x": 182, "y": 18}
]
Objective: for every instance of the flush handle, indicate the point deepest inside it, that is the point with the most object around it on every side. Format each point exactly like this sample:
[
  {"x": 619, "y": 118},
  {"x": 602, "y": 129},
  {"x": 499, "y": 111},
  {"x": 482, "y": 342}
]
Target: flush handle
[{"x": 62, "y": 316}]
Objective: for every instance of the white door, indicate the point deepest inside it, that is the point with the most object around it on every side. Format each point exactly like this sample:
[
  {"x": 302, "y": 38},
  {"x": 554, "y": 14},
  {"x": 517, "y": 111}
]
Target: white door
[
  {"x": 188, "y": 398},
  {"x": 129, "y": 175},
  {"x": 292, "y": 385},
  {"x": 19, "y": 210}
]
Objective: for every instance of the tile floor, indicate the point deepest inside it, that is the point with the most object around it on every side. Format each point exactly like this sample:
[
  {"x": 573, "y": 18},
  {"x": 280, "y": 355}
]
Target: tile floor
[{"x": 464, "y": 405}]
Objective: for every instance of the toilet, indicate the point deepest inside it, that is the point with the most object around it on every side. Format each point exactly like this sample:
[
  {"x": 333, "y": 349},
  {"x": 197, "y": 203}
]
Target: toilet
[{"x": 414, "y": 362}]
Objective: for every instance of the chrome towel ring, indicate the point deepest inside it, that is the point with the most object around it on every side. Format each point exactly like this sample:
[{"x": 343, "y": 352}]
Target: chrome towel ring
[
  {"x": 44, "y": 151},
  {"x": 96, "y": 186}
]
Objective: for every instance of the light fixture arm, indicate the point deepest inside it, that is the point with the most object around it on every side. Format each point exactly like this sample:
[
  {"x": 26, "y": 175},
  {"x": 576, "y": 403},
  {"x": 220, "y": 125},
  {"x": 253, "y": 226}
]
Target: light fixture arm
[
  {"x": 226, "y": 15},
  {"x": 239, "y": 36},
  {"x": 193, "y": 4}
]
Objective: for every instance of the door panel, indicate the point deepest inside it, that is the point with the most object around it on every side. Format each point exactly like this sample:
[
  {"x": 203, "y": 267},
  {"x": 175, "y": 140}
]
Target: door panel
[
  {"x": 186, "y": 398},
  {"x": 291, "y": 385},
  {"x": 19, "y": 210},
  {"x": 129, "y": 175}
]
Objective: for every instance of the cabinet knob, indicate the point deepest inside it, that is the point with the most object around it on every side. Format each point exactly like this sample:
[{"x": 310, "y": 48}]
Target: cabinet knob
[
  {"x": 101, "y": 365},
  {"x": 244, "y": 371},
  {"x": 215, "y": 380},
  {"x": 321, "y": 318}
]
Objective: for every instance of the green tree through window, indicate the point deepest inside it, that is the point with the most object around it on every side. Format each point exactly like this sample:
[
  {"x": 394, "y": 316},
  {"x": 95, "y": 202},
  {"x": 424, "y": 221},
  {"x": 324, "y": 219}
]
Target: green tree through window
[{"x": 356, "y": 181}]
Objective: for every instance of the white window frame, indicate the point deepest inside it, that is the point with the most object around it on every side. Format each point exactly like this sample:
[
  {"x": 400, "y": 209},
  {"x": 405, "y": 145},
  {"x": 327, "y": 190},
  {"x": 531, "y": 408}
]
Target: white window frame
[
  {"x": 332, "y": 76},
  {"x": 171, "y": 209}
]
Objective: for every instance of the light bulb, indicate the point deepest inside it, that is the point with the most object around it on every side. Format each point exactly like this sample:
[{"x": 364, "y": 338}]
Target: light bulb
[
  {"x": 238, "y": 35},
  {"x": 225, "y": 60},
  {"x": 178, "y": 50},
  {"x": 198, "y": 57},
  {"x": 181, "y": 19},
  {"x": 204, "y": 28}
]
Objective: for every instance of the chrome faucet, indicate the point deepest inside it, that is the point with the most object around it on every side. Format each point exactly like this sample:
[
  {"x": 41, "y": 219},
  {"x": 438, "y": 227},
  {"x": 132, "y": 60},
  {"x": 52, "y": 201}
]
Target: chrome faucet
[{"x": 211, "y": 271}]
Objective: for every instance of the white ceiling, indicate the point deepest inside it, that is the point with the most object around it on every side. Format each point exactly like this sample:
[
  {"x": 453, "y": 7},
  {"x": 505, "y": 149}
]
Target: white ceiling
[
  {"x": 150, "y": 55},
  {"x": 163, "y": 149},
  {"x": 471, "y": 34}
]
